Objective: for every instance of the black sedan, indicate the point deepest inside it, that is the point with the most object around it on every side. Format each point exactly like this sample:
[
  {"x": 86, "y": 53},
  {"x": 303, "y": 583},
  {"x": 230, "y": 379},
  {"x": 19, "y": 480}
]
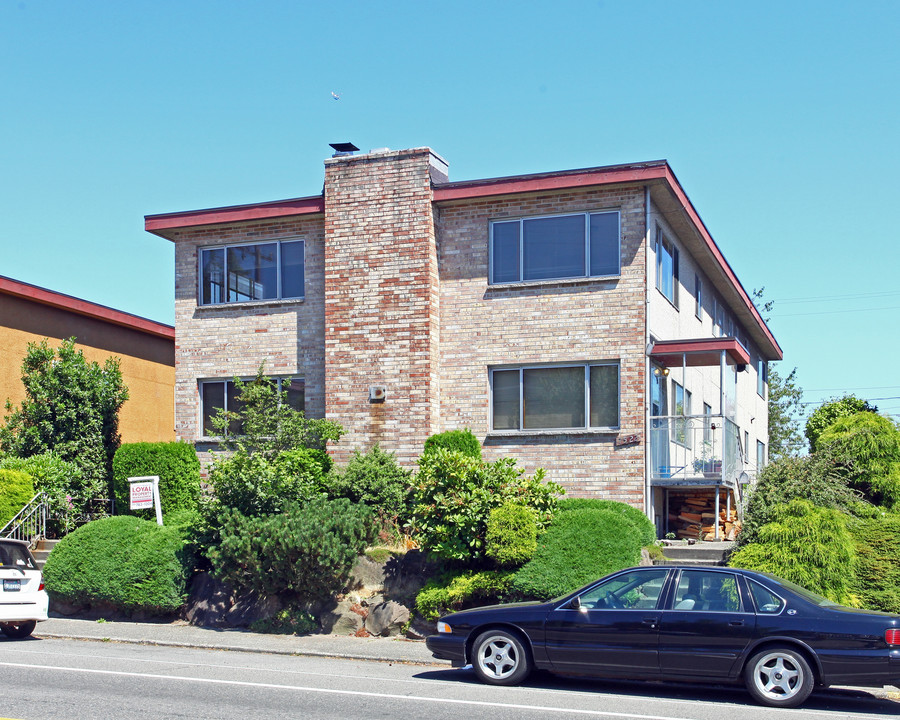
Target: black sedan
[{"x": 681, "y": 623}]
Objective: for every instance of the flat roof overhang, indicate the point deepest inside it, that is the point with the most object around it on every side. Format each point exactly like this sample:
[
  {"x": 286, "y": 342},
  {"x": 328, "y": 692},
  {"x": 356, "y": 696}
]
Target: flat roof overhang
[{"x": 703, "y": 352}]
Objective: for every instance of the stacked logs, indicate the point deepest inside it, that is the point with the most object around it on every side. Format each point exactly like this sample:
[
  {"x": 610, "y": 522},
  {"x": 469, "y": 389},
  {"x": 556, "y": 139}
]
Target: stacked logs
[{"x": 693, "y": 516}]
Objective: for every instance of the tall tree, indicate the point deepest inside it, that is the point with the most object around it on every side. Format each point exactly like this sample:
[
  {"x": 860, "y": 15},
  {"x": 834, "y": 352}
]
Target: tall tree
[
  {"x": 785, "y": 395},
  {"x": 829, "y": 412},
  {"x": 71, "y": 407}
]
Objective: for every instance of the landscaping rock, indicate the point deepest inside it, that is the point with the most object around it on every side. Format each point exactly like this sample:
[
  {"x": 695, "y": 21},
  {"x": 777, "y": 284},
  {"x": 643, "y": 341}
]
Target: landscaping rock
[
  {"x": 387, "y": 618},
  {"x": 367, "y": 574},
  {"x": 213, "y": 603}
]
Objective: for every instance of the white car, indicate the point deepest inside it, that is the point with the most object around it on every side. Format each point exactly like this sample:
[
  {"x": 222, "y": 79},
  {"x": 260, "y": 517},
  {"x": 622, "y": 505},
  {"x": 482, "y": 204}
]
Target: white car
[{"x": 23, "y": 600}]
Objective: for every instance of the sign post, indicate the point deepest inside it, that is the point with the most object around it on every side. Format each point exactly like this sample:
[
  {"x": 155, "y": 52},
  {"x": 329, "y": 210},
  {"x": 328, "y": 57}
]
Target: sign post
[{"x": 145, "y": 494}]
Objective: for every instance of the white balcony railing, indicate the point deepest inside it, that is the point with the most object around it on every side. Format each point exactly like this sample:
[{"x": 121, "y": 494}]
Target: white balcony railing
[{"x": 695, "y": 449}]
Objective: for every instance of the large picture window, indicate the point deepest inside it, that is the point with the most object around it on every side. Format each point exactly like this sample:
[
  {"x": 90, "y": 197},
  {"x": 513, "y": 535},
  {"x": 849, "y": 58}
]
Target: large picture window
[
  {"x": 218, "y": 395},
  {"x": 570, "y": 397},
  {"x": 241, "y": 273},
  {"x": 557, "y": 246}
]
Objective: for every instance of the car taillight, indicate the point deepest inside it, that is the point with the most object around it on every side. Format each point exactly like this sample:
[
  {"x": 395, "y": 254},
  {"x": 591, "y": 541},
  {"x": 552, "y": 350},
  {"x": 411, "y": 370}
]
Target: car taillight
[
  {"x": 892, "y": 636},
  {"x": 41, "y": 587}
]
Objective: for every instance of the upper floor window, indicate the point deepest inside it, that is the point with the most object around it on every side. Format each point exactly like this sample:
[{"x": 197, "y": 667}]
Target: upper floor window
[
  {"x": 698, "y": 297},
  {"x": 760, "y": 455},
  {"x": 218, "y": 395},
  {"x": 261, "y": 271},
  {"x": 574, "y": 397},
  {"x": 762, "y": 378},
  {"x": 667, "y": 267},
  {"x": 557, "y": 246}
]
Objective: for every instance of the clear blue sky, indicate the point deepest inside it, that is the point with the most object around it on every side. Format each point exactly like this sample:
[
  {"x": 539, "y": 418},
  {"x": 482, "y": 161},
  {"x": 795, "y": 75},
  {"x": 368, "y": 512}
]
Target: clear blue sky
[{"x": 779, "y": 118}]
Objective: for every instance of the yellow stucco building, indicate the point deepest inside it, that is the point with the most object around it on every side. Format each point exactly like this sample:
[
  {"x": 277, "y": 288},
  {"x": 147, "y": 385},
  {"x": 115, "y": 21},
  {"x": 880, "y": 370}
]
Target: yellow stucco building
[{"x": 146, "y": 350}]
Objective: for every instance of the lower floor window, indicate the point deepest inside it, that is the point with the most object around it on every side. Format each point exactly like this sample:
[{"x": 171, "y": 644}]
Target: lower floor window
[
  {"x": 216, "y": 395},
  {"x": 555, "y": 397}
]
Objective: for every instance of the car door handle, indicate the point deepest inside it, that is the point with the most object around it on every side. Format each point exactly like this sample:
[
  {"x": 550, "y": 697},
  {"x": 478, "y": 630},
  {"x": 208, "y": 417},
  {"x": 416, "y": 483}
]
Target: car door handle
[
  {"x": 651, "y": 621},
  {"x": 736, "y": 623}
]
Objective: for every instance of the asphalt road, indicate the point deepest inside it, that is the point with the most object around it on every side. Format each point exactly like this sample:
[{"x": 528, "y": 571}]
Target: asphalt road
[{"x": 45, "y": 679}]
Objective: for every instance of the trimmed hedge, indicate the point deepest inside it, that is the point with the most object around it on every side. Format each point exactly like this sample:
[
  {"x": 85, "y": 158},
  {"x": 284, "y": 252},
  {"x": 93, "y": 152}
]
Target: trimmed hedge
[
  {"x": 16, "y": 489},
  {"x": 581, "y": 546},
  {"x": 469, "y": 589},
  {"x": 176, "y": 464},
  {"x": 629, "y": 513},
  {"x": 460, "y": 440},
  {"x": 511, "y": 535},
  {"x": 131, "y": 564},
  {"x": 877, "y": 583}
]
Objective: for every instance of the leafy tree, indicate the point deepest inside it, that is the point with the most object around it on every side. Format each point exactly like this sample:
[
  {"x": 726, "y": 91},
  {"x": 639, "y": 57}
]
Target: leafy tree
[
  {"x": 869, "y": 447},
  {"x": 830, "y": 411},
  {"x": 784, "y": 410},
  {"x": 71, "y": 407}
]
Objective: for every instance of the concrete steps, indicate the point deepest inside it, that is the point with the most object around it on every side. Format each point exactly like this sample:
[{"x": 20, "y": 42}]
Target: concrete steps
[
  {"x": 700, "y": 553},
  {"x": 43, "y": 551}
]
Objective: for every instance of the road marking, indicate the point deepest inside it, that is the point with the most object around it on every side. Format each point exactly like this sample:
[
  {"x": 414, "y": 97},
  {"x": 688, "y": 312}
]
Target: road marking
[{"x": 358, "y": 693}]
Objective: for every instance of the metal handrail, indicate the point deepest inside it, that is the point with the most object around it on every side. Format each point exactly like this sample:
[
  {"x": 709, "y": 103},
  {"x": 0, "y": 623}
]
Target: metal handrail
[{"x": 30, "y": 523}]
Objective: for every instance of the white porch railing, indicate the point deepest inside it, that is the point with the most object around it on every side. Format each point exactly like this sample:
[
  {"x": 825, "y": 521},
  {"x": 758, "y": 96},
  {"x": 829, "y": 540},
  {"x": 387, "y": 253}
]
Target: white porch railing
[
  {"x": 30, "y": 524},
  {"x": 696, "y": 449}
]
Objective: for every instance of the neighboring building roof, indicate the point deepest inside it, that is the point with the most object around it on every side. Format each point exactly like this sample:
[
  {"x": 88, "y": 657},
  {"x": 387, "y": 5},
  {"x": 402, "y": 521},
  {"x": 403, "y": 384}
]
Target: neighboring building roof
[
  {"x": 15, "y": 288},
  {"x": 665, "y": 190}
]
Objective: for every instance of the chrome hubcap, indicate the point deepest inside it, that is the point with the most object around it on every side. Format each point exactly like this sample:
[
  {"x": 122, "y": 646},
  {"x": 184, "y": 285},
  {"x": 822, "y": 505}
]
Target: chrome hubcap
[
  {"x": 777, "y": 676},
  {"x": 498, "y": 657}
]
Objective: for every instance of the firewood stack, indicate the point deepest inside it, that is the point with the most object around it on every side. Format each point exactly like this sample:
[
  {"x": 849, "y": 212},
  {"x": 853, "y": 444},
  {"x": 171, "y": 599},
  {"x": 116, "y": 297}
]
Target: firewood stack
[{"x": 693, "y": 515}]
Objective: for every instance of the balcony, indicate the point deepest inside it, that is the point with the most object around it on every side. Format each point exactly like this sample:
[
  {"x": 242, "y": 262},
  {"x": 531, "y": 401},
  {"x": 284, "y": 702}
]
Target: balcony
[{"x": 696, "y": 450}]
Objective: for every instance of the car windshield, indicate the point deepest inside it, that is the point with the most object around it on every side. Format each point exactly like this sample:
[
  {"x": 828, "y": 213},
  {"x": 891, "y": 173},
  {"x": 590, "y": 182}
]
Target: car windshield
[
  {"x": 15, "y": 555},
  {"x": 803, "y": 592}
]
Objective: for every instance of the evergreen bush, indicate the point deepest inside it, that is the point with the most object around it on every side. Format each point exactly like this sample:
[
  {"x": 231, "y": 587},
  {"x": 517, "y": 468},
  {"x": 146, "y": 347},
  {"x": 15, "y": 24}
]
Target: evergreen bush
[
  {"x": 175, "y": 463},
  {"x": 457, "y": 592},
  {"x": 16, "y": 489},
  {"x": 374, "y": 479},
  {"x": 511, "y": 535},
  {"x": 459, "y": 440},
  {"x": 305, "y": 552},
  {"x": 805, "y": 544},
  {"x": 130, "y": 564},
  {"x": 828, "y": 412},
  {"x": 877, "y": 579},
  {"x": 579, "y": 547},
  {"x": 629, "y": 513}
]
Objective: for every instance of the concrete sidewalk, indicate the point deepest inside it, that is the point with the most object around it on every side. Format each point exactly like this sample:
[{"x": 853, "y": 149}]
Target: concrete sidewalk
[{"x": 179, "y": 634}]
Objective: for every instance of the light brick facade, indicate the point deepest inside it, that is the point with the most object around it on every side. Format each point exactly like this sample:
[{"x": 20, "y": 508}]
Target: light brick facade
[{"x": 397, "y": 295}]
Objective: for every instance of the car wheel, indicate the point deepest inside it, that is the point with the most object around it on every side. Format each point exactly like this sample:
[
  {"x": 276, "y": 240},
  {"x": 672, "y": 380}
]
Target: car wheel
[
  {"x": 18, "y": 630},
  {"x": 500, "y": 658},
  {"x": 779, "y": 677}
]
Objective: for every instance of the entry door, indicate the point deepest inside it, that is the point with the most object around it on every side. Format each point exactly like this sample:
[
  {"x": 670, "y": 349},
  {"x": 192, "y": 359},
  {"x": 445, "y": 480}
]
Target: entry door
[
  {"x": 659, "y": 433},
  {"x": 613, "y": 629}
]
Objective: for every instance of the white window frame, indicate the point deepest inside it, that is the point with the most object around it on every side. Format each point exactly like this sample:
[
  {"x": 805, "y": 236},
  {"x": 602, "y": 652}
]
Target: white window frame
[
  {"x": 277, "y": 379},
  {"x": 587, "y": 247},
  {"x": 225, "y": 248},
  {"x": 698, "y": 300},
  {"x": 587, "y": 427},
  {"x": 663, "y": 241},
  {"x": 762, "y": 378},
  {"x": 681, "y": 427}
]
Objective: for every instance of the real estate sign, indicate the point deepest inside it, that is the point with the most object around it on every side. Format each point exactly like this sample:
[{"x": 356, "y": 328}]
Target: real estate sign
[{"x": 145, "y": 494}]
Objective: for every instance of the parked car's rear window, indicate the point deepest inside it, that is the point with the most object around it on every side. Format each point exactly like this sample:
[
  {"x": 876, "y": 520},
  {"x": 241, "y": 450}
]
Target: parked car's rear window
[
  {"x": 16, "y": 555},
  {"x": 803, "y": 592}
]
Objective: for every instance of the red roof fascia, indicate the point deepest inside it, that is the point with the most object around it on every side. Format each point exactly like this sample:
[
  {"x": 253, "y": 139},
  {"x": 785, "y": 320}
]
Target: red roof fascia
[
  {"x": 553, "y": 181},
  {"x": 236, "y": 213},
  {"x": 8, "y": 286},
  {"x": 700, "y": 352}
]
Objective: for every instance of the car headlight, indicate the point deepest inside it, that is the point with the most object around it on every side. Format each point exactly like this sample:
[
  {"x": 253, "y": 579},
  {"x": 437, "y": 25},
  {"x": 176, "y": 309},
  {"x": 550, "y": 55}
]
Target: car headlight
[{"x": 443, "y": 627}]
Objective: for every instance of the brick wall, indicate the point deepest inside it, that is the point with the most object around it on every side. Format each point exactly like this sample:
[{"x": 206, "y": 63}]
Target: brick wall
[
  {"x": 381, "y": 300},
  {"x": 560, "y": 321}
]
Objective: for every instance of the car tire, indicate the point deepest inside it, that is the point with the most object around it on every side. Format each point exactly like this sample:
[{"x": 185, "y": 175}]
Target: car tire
[
  {"x": 18, "y": 630},
  {"x": 500, "y": 657},
  {"x": 779, "y": 677}
]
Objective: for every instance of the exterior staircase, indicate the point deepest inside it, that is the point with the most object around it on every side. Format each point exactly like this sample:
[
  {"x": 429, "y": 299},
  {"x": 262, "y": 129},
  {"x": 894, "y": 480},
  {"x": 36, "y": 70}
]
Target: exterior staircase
[
  {"x": 42, "y": 551},
  {"x": 701, "y": 553}
]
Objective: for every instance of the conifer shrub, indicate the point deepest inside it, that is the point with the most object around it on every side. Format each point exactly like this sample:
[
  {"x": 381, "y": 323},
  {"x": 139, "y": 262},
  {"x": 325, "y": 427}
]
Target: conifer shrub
[
  {"x": 579, "y": 547},
  {"x": 629, "y": 514},
  {"x": 175, "y": 463},
  {"x": 460, "y": 440},
  {"x": 805, "y": 544},
  {"x": 451, "y": 593},
  {"x": 511, "y": 535},
  {"x": 305, "y": 552},
  {"x": 123, "y": 562},
  {"x": 375, "y": 479},
  {"x": 877, "y": 579},
  {"x": 16, "y": 489}
]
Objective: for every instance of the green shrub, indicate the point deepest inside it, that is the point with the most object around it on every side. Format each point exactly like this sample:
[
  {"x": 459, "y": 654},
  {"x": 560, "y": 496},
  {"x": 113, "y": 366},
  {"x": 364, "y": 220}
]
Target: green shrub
[
  {"x": 453, "y": 495},
  {"x": 629, "y": 513},
  {"x": 460, "y": 440},
  {"x": 69, "y": 495},
  {"x": 255, "y": 484},
  {"x": 289, "y": 621},
  {"x": 816, "y": 478},
  {"x": 869, "y": 447},
  {"x": 805, "y": 544},
  {"x": 16, "y": 489},
  {"x": 828, "y": 412},
  {"x": 176, "y": 465},
  {"x": 306, "y": 551},
  {"x": 452, "y": 593},
  {"x": 580, "y": 546},
  {"x": 877, "y": 581},
  {"x": 511, "y": 535},
  {"x": 374, "y": 479},
  {"x": 132, "y": 564}
]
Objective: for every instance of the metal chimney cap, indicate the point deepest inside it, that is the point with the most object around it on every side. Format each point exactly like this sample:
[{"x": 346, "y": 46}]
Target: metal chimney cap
[{"x": 345, "y": 148}]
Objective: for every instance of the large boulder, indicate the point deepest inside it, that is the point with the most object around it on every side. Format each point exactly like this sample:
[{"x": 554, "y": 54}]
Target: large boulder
[{"x": 387, "y": 619}]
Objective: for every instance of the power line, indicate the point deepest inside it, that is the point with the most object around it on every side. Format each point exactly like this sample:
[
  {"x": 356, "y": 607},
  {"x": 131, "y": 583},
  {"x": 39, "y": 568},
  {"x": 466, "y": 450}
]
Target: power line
[
  {"x": 829, "y": 298},
  {"x": 836, "y": 312}
]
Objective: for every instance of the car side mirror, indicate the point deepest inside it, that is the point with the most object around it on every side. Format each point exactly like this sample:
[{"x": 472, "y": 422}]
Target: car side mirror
[{"x": 575, "y": 603}]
